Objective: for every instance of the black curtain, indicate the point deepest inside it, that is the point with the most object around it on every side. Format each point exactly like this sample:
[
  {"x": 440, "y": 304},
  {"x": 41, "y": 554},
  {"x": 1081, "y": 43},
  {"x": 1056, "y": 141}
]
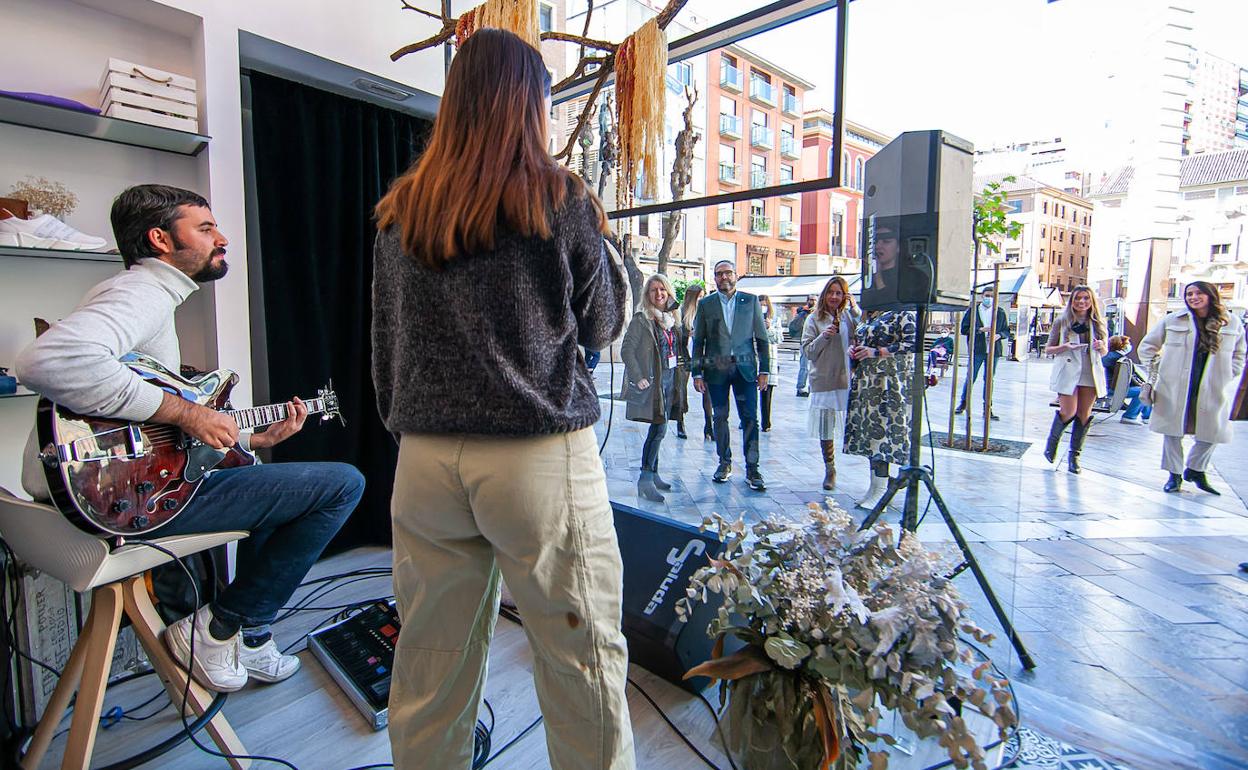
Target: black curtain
[{"x": 322, "y": 161}]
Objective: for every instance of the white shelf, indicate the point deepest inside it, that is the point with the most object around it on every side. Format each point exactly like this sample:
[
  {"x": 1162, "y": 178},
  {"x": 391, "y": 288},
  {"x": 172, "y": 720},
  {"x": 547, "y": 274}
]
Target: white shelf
[
  {"x": 92, "y": 126},
  {"x": 88, "y": 256},
  {"x": 22, "y": 392}
]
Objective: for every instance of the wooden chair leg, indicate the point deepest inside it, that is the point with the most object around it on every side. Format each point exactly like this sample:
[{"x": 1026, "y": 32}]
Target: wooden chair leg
[
  {"x": 71, "y": 675},
  {"x": 148, "y": 626},
  {"x": 101, "y": 630}
]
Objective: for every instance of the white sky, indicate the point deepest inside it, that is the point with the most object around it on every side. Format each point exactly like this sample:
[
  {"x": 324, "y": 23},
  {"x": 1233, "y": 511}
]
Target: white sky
[{"x": 987, "y": 70}]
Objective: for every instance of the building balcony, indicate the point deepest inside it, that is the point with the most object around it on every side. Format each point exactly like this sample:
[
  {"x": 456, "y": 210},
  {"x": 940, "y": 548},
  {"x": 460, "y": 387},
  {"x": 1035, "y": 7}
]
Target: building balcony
[
  {"x": 730, "y": 79},
  {"x": 788, "y": 231},
  {"x": 788, "y": 147},
  {"x": 760, "y": 225},
  {"x": 762, "y": 137},
  {"x": 729, "y": 220},
  {"x": 730, "y": 126},
  {"x": 729, "y": 173},
  {"x": 790, "y": 106},
  {"x": 759, "y": 178},
  {"x": 762, "y": 92}
]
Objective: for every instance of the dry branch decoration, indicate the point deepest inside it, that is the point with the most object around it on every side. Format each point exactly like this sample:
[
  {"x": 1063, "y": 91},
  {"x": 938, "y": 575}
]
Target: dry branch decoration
[
  {"x": 604, "y": 64},
  {"x": 48, "y": 197},
  {"x": 641, "y": 67},
  {"x": 840, "y": 626}
]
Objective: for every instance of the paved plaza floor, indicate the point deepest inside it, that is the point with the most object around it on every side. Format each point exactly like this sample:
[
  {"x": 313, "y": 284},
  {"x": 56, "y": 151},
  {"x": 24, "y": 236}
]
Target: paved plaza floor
[{"x": 1128, "y": 598}]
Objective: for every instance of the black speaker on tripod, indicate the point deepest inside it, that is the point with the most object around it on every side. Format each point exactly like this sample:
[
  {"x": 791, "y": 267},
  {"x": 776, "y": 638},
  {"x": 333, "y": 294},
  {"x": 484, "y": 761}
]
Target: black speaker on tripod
[
  {"x": 659, "y": 556},
  {"x": 917, "y": 224}
]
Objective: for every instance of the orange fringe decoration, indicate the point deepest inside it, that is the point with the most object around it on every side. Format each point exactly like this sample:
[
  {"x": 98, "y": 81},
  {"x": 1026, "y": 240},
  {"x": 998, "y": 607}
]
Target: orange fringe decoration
[
  {"x": 518, "y": 16},
  {"x": 640, "y": 81}
]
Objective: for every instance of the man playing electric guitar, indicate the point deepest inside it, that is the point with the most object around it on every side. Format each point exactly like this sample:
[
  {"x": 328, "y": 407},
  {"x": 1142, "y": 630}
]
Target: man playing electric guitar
[{"x": 170, "y": 245}]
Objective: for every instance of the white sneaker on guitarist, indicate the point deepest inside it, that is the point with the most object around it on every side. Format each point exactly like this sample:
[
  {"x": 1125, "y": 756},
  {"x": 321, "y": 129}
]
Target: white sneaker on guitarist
[
  {"x": 216, "y": 664},
  {"x": 266, "y": 663}
]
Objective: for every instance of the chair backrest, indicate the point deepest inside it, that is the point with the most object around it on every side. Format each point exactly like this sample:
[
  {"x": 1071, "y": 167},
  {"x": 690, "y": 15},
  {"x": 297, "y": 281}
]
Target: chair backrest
[
  {"x": 45, "y": 540},
  {"x": 1122, "y": 381}
]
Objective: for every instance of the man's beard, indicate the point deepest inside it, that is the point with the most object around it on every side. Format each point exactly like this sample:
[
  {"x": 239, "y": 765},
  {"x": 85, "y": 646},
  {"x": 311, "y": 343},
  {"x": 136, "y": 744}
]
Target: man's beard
[{"x": 208, "y": 272}]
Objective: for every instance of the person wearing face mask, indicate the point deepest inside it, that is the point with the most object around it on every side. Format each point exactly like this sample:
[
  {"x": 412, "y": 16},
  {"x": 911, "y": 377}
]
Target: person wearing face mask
[
  {"x": 976, "y": 325},
  {"x": 1077, "y": 339},
  {"x": 651, "y": 352},
  {"x": 1194, "y": 358},
  {"x": 1137, "y": 412}
]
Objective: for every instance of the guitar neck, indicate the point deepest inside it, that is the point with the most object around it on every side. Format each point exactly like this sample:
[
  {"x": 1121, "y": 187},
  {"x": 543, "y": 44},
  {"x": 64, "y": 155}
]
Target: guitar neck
[{"x": 259, "y": 416}]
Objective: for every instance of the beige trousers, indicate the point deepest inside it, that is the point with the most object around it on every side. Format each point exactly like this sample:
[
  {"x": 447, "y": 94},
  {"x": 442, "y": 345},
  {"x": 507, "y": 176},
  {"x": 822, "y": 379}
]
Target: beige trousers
[
  {"x": 1197, "y": 458},
  {"x": 536, "y": 509}
]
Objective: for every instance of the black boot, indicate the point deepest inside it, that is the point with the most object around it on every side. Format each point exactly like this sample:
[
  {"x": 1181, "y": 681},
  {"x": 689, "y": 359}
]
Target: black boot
[
  {"x": 646, "y": 488},
  {"x": 766, "y": 404},
  {"x": 1077, "y": 436},
  {"x": 680, "y": 429},
  {"x": 1055, "y": 436},
  {"x": 1202, "y": 483},
  {"x": 1174, "y": 484}
]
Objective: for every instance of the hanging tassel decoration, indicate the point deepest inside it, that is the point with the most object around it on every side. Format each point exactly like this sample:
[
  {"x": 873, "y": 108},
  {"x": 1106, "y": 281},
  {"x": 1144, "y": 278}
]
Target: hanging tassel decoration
[
  {"x": 640, "y": 85},
  {"x": 518, "y": 16}
]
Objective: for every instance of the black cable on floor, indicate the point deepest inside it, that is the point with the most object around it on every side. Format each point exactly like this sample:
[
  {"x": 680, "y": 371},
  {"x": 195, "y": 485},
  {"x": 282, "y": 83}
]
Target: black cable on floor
[
  {"x": 706, "y": 760},
  {"x": 514, "y": 740}
]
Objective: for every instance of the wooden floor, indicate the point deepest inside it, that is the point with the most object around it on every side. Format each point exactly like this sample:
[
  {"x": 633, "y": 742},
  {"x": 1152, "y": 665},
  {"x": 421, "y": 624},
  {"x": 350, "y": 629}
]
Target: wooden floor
[{"x": 310, "y": 723}]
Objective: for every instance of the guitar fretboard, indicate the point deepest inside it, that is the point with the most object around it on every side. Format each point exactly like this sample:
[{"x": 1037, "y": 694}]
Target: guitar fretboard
[{"x": 259, "y": 416}]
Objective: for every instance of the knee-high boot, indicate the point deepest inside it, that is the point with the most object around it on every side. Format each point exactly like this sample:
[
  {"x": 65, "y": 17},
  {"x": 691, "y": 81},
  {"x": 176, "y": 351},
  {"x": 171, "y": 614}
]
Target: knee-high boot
[
  {"x": 829, "y": 464},
  {"x": 1077, "y": 436},
  {"x": 1055, "y": 436}
]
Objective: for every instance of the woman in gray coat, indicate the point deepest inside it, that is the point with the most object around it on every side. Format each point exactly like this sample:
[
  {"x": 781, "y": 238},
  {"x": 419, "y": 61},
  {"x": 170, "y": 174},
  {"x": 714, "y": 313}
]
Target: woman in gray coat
[{"x": 652, "y": 352}]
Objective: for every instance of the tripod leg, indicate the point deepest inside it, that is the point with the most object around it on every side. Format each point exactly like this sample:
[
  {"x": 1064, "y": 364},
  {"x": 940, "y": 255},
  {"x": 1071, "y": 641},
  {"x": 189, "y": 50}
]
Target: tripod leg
[{"x": 980, "y": 577}]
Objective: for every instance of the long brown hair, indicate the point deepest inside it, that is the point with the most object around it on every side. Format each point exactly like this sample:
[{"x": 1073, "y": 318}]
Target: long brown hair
[
  {"x": 486, "y": 164},
  {"x": 1096, "y": 319},
  {"x": 1211, "y": 327},
  {"x": 689, "y": 307},
  {"x": 848, "y": 302}
]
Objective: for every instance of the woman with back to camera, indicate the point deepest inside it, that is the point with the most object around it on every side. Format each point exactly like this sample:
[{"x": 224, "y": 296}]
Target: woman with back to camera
[
  {"x": 680, "y": 391},
  {"x": 498, "y": 467},
  {"x": 1194, "y": 358},
  {"x": 1078, "y": 339},
  {"x": 651, "y": 354},
  {"x": 775, "y": 331},
  {"x": 827, "y": 339}
]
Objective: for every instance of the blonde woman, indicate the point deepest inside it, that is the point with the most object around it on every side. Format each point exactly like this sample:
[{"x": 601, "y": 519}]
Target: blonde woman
[
  {"x": 1078, "y": 339},
  {"x": 680, "y": 391},
  {"x": 652, "y": 353},
  {"x": 1196, "y": 357},
  {"x": 775, "y": 330},
  {"x": 826, "y": 340}
]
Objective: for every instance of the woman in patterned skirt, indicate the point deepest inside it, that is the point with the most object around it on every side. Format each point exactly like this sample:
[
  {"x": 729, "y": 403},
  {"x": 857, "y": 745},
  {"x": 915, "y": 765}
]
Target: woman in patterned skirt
[{"x": 877, "y": 425}]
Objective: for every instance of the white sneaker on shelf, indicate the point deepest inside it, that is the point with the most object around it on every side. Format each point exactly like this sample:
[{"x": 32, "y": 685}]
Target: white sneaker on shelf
[
  {"x": 216, "y": 665},
  {"x": 46, "y": 232},
  {"x": 267, "y": 663}
]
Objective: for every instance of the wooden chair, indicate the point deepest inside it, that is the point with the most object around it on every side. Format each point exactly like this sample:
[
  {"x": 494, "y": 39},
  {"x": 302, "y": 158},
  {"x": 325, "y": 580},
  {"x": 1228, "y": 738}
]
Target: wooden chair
[{"x": 44, "y": 539}]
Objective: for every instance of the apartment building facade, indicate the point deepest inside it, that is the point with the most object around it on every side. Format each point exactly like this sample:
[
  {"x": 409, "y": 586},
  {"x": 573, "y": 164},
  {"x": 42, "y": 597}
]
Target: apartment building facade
[
  {"x": 830, "y": 218},
  {"x": 1056, "y": 231},
  {"x": 754, "y": 117}
]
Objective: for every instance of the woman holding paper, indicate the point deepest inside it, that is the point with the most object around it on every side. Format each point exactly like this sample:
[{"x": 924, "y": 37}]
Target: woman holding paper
[
  {"x": 1078, "y": 340},
  {"x": 826, "y": 339}
]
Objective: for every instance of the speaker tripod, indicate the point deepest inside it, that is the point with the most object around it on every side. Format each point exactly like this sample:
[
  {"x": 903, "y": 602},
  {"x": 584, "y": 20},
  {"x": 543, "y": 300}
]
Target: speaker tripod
[{"x": 914, "y": 474}]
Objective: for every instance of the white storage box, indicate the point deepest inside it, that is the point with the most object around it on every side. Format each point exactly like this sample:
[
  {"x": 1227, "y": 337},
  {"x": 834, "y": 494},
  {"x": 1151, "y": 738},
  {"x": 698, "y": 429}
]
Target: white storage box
[{"x": 148, "y": 95}]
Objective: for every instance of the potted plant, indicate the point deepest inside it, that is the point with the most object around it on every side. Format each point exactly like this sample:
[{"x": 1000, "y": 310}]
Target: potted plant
[{"x": 840, "y": 625}]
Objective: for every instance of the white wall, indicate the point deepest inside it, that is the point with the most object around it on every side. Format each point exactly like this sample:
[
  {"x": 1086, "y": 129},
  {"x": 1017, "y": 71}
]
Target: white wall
[{"x": 61, "y": 47}]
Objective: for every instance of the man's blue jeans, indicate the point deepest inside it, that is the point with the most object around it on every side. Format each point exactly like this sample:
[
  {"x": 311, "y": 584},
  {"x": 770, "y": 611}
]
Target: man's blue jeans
[
  {"x": 1136, "y": 407},
  {"x": 977, "y": 363},
  {"x": 292, "y": 510},
  {"x": 803, "y": 370},
  {"x": 745, "y": 393}
]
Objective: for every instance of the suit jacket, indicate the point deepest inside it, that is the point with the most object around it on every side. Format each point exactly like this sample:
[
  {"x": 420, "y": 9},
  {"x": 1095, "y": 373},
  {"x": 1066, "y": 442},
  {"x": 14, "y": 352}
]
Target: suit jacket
[
  {"x": 718, "y": 349},
  {"x": 980, "y": 340}
]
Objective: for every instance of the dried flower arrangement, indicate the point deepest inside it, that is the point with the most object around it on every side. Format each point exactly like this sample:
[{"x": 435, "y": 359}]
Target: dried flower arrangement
[
  {"x": 841, "y": 625},
  {"x": 49, "y": 197}
]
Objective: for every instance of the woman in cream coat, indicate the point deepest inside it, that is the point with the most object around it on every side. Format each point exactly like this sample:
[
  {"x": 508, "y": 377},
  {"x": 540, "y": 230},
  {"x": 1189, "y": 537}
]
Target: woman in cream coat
[
  {"x": 1195, "y": 358},
  {"x": 1078, "y": 340}
]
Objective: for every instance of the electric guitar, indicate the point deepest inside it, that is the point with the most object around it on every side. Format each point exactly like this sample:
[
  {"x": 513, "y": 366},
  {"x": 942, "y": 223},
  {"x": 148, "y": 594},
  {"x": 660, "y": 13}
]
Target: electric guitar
[{"x": 126, "y": 478}]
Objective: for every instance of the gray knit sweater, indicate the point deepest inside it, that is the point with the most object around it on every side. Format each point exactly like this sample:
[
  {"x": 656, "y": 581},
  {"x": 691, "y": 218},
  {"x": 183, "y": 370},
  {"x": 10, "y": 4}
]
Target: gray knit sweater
[{"x": 488, "y": 345}]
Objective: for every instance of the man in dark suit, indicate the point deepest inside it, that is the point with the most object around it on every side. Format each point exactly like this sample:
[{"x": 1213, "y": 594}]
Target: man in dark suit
[
  {"x": 730, "y": 352},
  {"x": 976, "y": 325}
]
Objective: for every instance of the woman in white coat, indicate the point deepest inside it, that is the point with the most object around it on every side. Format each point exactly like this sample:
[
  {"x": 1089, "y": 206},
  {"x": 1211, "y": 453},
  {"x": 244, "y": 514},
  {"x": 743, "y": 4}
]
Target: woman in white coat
[
  {"x": 1078, "y": 340},
  {"x": 1194, "y": 358}
]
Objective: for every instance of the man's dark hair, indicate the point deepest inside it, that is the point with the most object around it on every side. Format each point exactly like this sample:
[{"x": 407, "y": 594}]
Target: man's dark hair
[{"x": 143, "y": 207}]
